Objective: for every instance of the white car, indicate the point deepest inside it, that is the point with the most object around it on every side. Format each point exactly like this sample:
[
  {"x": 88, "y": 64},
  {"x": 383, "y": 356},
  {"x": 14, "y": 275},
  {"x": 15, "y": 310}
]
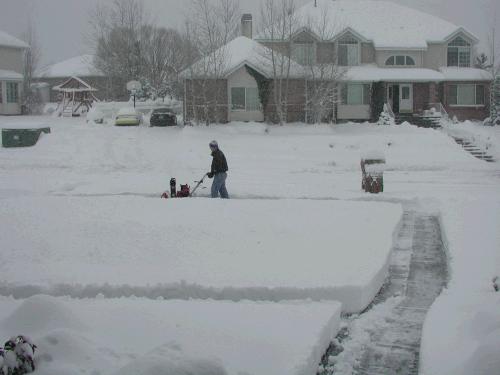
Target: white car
[{"x": 128, "y": 116}]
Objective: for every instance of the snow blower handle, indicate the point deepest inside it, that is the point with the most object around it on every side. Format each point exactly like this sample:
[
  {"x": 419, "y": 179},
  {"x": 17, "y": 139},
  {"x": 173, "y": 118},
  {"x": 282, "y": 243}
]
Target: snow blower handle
[{"x": 199, "y": 184}]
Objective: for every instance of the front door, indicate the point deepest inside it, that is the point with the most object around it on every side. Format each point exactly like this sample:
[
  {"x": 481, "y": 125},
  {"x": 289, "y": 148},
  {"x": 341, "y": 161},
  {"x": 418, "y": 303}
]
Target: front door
[{"x": 406, "y": 98}]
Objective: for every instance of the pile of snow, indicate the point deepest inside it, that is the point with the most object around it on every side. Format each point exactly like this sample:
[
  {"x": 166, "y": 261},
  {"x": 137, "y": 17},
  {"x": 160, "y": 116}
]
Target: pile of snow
[
  {"x": 466, "y": 316},
  {"x": 487, "y": 138},
  {"x": 131, "y": 336},
  {"x": 193, "y": 248}
]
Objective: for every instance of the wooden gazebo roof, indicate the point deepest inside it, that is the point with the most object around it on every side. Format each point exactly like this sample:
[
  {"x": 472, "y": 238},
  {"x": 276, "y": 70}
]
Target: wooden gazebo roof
[{"x": 74, "y": 84}]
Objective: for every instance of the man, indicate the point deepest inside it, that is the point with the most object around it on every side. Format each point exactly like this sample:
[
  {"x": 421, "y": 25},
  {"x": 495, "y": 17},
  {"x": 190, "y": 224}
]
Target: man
[{"x": 218, "y": 172}]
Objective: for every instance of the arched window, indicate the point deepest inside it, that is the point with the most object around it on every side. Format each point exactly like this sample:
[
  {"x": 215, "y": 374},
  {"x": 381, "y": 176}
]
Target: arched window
[
  {"x": 400, "y": 60},
  {"x": 348, "y": 51},
  {"x": 459, "y": 53}
]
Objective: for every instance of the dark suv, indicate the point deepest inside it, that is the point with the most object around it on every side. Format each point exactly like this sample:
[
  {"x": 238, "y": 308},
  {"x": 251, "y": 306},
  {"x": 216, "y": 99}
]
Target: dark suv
[{"x": 163, "y": 117}]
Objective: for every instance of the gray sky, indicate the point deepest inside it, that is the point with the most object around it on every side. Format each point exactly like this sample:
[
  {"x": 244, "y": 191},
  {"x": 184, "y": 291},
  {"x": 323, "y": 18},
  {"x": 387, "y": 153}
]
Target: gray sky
[{"x": 61, "y": 24}]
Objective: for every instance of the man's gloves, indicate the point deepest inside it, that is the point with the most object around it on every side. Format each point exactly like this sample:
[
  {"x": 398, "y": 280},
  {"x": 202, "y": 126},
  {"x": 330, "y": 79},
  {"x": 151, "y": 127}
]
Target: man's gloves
[{"x": 210, "y": 175}]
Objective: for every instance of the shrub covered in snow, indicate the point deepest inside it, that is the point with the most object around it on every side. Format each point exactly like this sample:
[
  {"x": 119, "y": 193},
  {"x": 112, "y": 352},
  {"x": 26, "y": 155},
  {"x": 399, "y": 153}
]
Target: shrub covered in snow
[
  {"x": 385, "y": 118},
  {"x": 17, "y": 356}
]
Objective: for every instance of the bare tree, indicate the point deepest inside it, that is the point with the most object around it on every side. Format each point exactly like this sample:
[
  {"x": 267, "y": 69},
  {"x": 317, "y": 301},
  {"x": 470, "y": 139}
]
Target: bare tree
[
  {"x": 32, "y": 58},
  {"x": 278, "y": 25},
  {"x": 212, "y": 24},
  {"x": 116, "y": 37},
  {"x": 323, "y": 73}
]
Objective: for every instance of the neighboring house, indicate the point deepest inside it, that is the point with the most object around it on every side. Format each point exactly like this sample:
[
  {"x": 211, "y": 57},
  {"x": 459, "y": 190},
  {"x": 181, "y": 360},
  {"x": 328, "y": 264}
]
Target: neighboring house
[
  {"x": 81, "y": 67},
  {"x": 410, "y": 60},
  {"x": 11, "y": 74}
]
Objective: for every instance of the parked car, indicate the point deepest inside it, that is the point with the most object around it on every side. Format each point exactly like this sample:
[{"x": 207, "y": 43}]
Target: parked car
[
  {"x": 163, "y": 117},
  {"x": 128, "y": 116}
]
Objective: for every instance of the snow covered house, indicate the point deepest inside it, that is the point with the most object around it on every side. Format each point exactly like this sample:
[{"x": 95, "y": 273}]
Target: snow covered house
[
  {"x": 81, "y": 67},
  {"x": 382, "y": 52},
  {"x": 11, "y": 73}
]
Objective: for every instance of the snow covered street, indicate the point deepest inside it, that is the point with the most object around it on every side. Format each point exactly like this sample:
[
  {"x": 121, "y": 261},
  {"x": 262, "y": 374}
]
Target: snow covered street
[{"x": 83, "y": 219}]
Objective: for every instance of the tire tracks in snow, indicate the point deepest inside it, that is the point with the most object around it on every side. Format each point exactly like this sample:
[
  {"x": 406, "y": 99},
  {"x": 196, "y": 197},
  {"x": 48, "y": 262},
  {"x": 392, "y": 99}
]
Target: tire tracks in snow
[{"x": 385, "y": 339}]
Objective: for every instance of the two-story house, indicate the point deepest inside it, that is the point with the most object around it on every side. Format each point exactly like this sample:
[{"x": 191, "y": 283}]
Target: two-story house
[
  {"x": 410, "y": 60},
  {"x": 11, "y": 73}
]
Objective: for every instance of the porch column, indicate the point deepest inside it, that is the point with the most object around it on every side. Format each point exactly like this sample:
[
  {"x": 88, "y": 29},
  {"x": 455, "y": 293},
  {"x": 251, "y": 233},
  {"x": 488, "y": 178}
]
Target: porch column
[{"x": 433, "y": 93}]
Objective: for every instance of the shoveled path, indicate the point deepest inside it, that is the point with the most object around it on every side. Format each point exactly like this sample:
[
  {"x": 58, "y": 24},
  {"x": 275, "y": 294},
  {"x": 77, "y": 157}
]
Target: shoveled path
[{"x": 385, "y": 339}]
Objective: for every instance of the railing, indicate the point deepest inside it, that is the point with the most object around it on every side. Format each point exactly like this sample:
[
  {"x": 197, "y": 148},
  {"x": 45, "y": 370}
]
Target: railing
[
  {"x": 389, "y": 110},
  {"x": 434, "y": 108}
]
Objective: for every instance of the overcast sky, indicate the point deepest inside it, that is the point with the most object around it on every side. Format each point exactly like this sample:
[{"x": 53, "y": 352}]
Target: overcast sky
[{"x": 62, "y": 24}]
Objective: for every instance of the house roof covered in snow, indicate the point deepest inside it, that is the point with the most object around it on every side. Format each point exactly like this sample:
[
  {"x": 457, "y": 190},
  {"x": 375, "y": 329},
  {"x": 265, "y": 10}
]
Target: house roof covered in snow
[
  {"x": 7, "y": 40},
  {"x": 372, "y": 73},
  {"x": 239, "y": 52},
  {"x": 80, "y": 66},
  {"x": 465, "y": 74},
  {"x": 386, "y": 24},
  {"x": 9, "y": 75}
]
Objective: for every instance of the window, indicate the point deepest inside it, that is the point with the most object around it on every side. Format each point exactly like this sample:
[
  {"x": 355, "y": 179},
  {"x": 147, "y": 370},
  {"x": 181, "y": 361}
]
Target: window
[
  {"x": 459, "y": 53},
  {"x": 1, "y": 92},
  {"x": 12, "y": 92},
  {"x": 238, "y": 99},
  {"x": 245, "y": 99},
  {"x": 356, "y": 94},
  {"x": 348, "y": 51},
  {"x": 466, "y": 95},
  {"x": 400, "y": 61},
  {"x": 304, "y": 53},
  {"x": 405, "y": 93}
]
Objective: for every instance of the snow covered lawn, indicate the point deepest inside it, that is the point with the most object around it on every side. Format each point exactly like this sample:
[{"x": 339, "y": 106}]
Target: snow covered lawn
[
  {"x": 237, "y": 249},
  {"x": 141, "y": 336}
]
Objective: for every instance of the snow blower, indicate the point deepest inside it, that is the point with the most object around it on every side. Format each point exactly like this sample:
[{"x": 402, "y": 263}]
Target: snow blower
[{"x": 185, "y": 191}]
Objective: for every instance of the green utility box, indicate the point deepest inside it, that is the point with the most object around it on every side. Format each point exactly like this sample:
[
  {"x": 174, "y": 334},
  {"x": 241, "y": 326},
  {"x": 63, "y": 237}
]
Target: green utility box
[{"x": 22, "y": 137}]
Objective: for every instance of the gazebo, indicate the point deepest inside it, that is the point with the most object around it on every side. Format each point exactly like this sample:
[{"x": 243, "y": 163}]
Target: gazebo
[{"x": 77, "y": 97}]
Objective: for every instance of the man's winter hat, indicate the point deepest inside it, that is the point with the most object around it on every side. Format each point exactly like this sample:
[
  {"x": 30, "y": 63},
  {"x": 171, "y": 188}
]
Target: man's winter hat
[{"x": 214, "y": 144}]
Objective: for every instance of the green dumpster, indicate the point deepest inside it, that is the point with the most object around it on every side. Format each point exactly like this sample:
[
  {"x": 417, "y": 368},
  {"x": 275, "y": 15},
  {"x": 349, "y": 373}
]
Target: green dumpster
[{"x": 22, "y": 137}]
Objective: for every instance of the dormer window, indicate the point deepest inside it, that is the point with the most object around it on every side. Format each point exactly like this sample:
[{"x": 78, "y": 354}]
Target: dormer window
[
  {"x": 348, "y": 51},
  {"x": 304, "y": 53},
  {"x": 459, "y": 53},
  {"x": 400, "y": 60}
]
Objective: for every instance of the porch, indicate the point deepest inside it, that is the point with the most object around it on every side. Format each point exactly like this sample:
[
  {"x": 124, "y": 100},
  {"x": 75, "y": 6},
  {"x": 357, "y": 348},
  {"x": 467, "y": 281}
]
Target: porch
[{"x": 416, "y": 103}]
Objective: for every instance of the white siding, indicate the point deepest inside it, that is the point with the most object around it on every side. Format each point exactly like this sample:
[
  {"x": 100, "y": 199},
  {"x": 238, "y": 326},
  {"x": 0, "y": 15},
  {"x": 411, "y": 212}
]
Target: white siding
[
  {"x": 435, "y": 56},
  {"x": 241, "y": 78},
  {"x": 353, "y": 112},
  {"x": 11, "y": 59}
]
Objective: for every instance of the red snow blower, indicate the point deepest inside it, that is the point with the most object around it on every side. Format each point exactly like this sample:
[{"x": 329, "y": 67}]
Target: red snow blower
[{"x": 184, "y": 192}]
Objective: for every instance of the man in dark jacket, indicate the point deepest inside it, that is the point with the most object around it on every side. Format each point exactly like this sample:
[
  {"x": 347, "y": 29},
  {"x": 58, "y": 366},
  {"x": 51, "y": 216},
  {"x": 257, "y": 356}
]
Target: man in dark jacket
[{"x": 218, "y": 172}]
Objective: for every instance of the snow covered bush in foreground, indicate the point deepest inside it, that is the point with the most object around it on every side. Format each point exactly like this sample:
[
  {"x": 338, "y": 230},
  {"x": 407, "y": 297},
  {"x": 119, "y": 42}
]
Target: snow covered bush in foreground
[
  {"x": 385, "y": 118},
  {"x": 16, "y": 358}
]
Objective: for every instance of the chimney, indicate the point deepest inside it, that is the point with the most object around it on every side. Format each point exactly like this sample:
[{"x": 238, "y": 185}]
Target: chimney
[{"x": 247, "y": 26}]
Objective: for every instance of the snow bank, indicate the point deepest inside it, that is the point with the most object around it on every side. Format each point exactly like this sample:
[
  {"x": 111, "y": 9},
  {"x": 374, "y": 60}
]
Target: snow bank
[
  {"x": 487, "y": 138},
  {"x": 324, "y": 250},
  {"x": 131, "y": 336},
  {"x": 466, "y": 316}
]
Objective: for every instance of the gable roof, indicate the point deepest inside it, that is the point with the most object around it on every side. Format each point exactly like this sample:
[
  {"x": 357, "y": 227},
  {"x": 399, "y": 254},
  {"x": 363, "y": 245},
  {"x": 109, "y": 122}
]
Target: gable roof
[
  {"x": 74, "y": 84},
  {"x": 7, "y": 40},
  {"x": 239, "y": 52},
  {"x": 79, "y": 66},
  {"x": 386, "y": 24}
]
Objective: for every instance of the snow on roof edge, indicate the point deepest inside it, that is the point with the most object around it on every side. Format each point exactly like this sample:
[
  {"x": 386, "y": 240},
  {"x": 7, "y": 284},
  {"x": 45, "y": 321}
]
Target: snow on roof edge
[{"x": 7, "y": 40}]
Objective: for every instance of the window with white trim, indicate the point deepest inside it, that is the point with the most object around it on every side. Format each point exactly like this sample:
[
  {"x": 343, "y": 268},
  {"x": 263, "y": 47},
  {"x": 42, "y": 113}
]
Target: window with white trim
[
  {"x": 245, "y": 99},
  {"x": 356, "y": 94},
  {"x": 348, "y": 51},
  {"x": 12, "y": 92},
  {"x": 400, "y": 60},
  {"x": 459, "y": 53},
  {"x": 466, "y": 95},
  {"x": 304, "y": 53}
]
